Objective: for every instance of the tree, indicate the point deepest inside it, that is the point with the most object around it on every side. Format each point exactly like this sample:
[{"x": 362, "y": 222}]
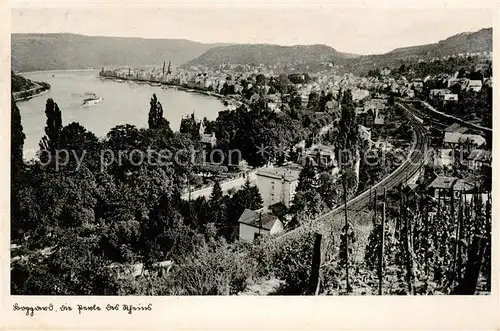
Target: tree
[
  {"x": 260, "y": 79},
  {"x": 308, "y": 201},
  {"x": 314, "y": 101},
  {"x": 16, "y": 165},
  {"x": 81, "y": 145},
  {"x": 50, "y": 142},
  {"x": 120, "y": 142},
  {"x": 208, "y": 125},
  {"x": 190, "y": 126},
  {"x": 247, "y": 197},
  {"x": 155, "y": 116},
  {"x": 155, "y": 241},
  {"x": 347, "y": 138},
  {"x": 217, "y": 207},
  {"x": 327, "y": 190},
  {"x": 295, "y": 101},
  {"x": 17, "y": 138},
  {"x": 307, "y": 177}
]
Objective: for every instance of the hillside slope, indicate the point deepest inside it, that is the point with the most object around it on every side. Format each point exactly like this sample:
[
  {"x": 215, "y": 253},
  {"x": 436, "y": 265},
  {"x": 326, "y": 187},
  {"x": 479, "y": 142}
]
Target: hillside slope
[
  {"x": 266, "y": 54},
  {"x": 70, "y": 51},
  {"x": 479, "y": 41}
]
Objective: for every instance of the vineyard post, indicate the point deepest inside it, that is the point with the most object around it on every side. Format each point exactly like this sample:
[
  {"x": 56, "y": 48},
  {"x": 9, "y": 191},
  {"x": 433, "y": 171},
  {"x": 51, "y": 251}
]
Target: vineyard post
[
  {"x": 458, "y": 267},
  {"x": 409, "y": 269},
  {"x": 475, "y": 256},
  {"x": 440, "y": 193},
  {"x": 346, "y": 237},
  {"x": 399, "y": 220},
  {"x": 457, "y": 226},
  {"x": 316, "y": 261},
  {"x": 488, "y": 243},
  {"x": 371, "y": 186},
  {"x": 427, "y": 236},
  {"x": 382, "y": 243}
]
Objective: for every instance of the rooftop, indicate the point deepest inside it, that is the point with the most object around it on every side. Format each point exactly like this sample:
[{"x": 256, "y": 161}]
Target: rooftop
[
  {"x": 258, "y": 219},
  {"x": 455, "y": 127},
  {"x": 480, "y": 155},
  {"x": 452, "y": 137},
  {"x": 286, "y": 173},
  {"x": 463, "y": 185},
  {"x": 443, "y": 182}
]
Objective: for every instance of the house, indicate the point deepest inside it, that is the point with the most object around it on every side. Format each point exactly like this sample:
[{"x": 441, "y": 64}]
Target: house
[
  {"x": 439, "y": 184},
  {"x": 451, "y": 139},
  {"x": 277, "y": 185},
  {"x": 254, "y": 98},
  {"x": 321, "y": 155},
  {"x": 304, "y": 98},
  {"x": 453, "y": 81},
  {"x": 257, "y": 223},
  {"x": 385, "y": 71},
  {"x": 361, "y": 110},
  {"x": 418, "y": 85},
  {"x": 358, "y": 94},
  {"x": 383, "y": 145},
  {"x": 364, "y": 133},
  {"x": 332, "y": 105},
  {"x": 464, "y": 185},
  {"x": 379, "y": 118},
  {"x": 438, "y": 93},
  {"x": 478, "y": 158},
  {"x": 451, "y": 97},
  {"x": 475, "y": 85},
  {"x": 130, "y": 271},
  {"x": 409, "y": 93},
  {"x": 458, "y": 137},
  {"x": 442, "y": 186},
  {"x": 274, "y": 106},
  {"x": 455, "y": 127},
  {"x": 375, "y": 104},
  {"x": 208, "y": 139},
  {"x": 474, "y": 139}
]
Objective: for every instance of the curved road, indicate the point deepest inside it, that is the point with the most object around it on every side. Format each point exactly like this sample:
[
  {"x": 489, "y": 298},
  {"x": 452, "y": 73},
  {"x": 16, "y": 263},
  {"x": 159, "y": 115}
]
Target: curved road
[{"x": 410, "y": 167}]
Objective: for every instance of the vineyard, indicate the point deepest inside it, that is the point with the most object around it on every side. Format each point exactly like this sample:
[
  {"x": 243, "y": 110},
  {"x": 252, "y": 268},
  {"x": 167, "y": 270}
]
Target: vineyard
[{"x": 430, "y": 244}]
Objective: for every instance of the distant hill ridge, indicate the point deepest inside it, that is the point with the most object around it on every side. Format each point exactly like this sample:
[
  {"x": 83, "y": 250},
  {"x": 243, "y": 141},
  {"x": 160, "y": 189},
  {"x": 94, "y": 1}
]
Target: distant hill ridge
[
  {"x": 464, "y": 42},
  {"x": 267, "y": 54},
  {"x": 55, "y": 51},
  {"x": 467, "y": 42}
]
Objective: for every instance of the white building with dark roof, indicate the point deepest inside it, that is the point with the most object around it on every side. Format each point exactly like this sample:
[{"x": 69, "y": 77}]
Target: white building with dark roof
[
  {"x": 257, "y": 223},
  {"x": 277, "y": 185}
]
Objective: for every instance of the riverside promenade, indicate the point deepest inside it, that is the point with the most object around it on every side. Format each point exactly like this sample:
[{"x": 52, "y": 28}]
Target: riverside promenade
[{"x": 28, "y": 94}]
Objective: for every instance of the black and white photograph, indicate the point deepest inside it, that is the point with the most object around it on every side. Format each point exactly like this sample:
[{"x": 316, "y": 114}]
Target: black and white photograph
[{"x": 251, "y": 151}]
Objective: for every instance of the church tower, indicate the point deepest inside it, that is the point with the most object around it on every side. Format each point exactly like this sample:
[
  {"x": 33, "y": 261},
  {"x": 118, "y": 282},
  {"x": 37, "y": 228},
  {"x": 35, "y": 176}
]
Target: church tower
[{"x": 169, "y": 71}]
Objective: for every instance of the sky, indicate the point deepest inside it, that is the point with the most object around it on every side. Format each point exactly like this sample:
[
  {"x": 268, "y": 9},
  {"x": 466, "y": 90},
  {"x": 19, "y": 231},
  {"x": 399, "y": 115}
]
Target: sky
[{"x": 358, "y": 30}]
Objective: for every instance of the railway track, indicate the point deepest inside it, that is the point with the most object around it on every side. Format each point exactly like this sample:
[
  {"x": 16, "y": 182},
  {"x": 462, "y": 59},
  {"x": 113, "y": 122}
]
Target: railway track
[
  {"x": 415, "y": 161},
  {"x": 406, "y": 170}
]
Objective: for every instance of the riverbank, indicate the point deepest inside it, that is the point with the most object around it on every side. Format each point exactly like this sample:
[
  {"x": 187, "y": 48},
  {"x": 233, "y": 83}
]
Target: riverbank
[
  {"x": 26, "y": 88},
  {"x": 31, "y": 93},
  {"x": 184, "y": 88},
  {"x": 20, "y": 73}
]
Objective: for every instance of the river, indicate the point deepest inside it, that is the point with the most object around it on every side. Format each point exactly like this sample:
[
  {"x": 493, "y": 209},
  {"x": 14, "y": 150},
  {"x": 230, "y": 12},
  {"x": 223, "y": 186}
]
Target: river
[{"x": 123, "y": 103}]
